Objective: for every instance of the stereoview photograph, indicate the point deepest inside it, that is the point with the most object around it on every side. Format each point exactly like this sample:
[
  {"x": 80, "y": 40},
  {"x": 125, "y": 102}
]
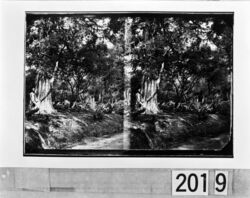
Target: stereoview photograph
[{"x": 128, "y": 84}]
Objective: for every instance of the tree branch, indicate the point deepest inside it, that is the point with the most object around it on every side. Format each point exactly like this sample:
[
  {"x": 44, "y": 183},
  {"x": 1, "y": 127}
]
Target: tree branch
[
  {"x": 54, "y": 73},
  {"x": 176, "y": 89},
  {"x": 152, "y": 96},
  {"x": 191, "y": 85},
  {"x": 46, "y": 94}
]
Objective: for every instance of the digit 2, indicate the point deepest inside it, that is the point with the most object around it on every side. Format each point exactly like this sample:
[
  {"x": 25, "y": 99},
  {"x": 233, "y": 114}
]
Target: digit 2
[{"x": 178, "y": 189}]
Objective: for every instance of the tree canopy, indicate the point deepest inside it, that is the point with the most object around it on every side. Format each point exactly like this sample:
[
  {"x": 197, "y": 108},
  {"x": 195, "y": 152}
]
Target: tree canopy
[
  {"x": 189, "y": 55},
  {"x": 196, "y": 52}
]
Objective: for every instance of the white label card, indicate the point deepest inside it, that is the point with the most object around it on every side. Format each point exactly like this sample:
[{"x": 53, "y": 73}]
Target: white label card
[
  {"x": 190, "y": 182},
  {"x": 221, "y": 183}
]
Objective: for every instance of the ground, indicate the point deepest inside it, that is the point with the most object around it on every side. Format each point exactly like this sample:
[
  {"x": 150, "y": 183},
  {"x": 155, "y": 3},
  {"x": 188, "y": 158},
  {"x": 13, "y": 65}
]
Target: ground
[
  {"x": 83, "y": 131},
  {"x": 65, "y": 130},
  {"x": 180, "y": 131}
]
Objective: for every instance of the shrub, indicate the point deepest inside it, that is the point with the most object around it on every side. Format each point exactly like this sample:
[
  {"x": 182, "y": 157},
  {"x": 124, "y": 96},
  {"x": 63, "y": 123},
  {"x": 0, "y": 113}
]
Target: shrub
[{"x": 98, "y": 115}]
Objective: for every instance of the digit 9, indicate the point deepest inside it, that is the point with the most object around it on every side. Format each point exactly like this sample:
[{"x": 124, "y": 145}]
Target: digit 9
[{"x": 221, "y": 180}]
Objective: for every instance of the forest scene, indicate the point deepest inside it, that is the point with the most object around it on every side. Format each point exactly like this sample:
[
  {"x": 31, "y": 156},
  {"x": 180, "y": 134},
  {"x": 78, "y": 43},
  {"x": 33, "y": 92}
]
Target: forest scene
[{"x": 128, "y": 82}]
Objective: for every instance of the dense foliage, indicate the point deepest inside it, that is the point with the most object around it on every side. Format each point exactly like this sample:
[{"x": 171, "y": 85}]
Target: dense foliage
[
  {"x": 84, "y": 58},
  {"x": 196, "y": 55},
  {"x": 77, "y": 53}
]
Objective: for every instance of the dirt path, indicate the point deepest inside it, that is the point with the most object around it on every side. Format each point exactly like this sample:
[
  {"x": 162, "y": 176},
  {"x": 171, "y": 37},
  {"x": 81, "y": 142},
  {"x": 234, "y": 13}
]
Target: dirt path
[
  {"x": 113, "y": 142},
  {"x": 116, "y": 142}
]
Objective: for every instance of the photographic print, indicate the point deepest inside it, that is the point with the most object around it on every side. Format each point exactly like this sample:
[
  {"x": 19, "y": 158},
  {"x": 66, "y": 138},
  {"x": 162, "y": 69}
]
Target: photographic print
[{"x": 128, "y": 84}]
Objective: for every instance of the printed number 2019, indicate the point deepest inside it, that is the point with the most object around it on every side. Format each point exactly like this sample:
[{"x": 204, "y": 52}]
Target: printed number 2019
[{"x": 190, "y": 182}]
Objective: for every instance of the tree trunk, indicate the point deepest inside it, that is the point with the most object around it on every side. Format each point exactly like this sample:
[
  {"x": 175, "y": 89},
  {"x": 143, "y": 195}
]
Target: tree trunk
[
  {"x": 149, "y": 100},
  {"x": 44, "y": 87},
  {"x": 127, "y": 78},
  {"x": 44, "y": 96}
]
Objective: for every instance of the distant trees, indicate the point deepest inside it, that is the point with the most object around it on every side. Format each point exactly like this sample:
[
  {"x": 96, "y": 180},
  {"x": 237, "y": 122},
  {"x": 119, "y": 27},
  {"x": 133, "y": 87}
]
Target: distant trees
[{"x": 180, "y": 59}]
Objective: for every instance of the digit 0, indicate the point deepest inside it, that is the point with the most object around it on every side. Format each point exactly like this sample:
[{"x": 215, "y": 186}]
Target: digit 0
[{"x": 192, "y": 189}]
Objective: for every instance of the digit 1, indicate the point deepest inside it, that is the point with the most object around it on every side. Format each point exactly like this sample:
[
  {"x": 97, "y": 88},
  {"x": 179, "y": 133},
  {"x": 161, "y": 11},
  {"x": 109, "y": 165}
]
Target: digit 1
[{"x": 204, "y": 175}]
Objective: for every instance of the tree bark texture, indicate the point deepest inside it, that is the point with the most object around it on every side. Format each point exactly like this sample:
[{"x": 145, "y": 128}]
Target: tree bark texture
[
  {"x": 149, "y": 100},
  {"x": 44, "y": 89},
  {"x": 44, "y": 96}
]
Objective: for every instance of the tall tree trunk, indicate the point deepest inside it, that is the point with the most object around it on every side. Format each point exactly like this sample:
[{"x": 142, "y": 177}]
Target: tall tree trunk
[
  {"x": 127, "y": 78},
  {"x": 44, "y": 87},
  {"x": 149, "y": 100},
  {"x": 149, "y": 94},
  {"x": 150, "y": 86},
  {"x": 44, "y": 96},
  {"x": 128, "y": 66}
]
